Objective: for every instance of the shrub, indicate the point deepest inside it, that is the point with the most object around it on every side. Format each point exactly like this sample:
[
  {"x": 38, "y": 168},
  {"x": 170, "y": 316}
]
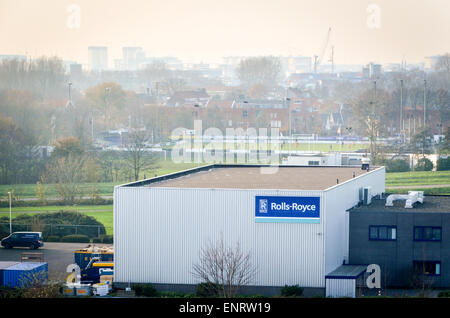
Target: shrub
[
  {"x": 76, "y": 238},
  {"x": 444, "y": 294},
  {"x": 443, "y": 164},
  {"x": 97, "y": 240},
  {"x": 397, "y": 165},
  {"x": 207, "y": 290},
  {"x": 61, "y": 222},
  {"x": 173, "y": 294},
  {"x": 291, "y": 291},
  {"x": 424, "y": 164},
  {"x": 146, "y": 290},
  {"x": 107, "y": 239},
  {"x": 53, "y": 238}
]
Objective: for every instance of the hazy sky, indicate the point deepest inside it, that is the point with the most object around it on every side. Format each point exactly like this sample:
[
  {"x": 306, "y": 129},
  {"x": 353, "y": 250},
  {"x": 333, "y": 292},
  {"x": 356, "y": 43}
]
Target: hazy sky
[{"x": 207, "y": 30}]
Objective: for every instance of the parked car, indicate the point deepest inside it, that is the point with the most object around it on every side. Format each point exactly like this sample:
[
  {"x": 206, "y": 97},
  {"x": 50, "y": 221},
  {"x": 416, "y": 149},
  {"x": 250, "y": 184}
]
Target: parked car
[{"x": 33, "y": 240}]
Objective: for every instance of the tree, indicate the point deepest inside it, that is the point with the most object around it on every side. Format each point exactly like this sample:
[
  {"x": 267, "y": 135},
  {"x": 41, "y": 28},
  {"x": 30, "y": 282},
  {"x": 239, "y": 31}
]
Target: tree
[
  {"x": 67, "y": 146},
  {"x": 136, "y": 158},
  {"x": 370, "y": 109},
  {"x": 259, "y": 70},
  {"x": 224, "y": 269},
  {"x": 68, "y": 173},
  {"x": 420, "y": 142},
  {"x": 107, "y": 98}
]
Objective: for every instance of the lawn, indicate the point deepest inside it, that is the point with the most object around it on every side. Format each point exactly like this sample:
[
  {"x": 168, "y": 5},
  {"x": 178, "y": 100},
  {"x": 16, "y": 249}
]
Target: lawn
[
  {"x": 417, "y": 178},
  {"x": 103, "y": 188},
  {"x": 426, "y": 191}
]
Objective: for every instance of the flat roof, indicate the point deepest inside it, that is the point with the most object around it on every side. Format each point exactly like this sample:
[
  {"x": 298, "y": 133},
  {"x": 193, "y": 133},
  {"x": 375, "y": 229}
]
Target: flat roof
[
  {"x": 431, "y": 203},
  {"x": 248, "y": 177}
]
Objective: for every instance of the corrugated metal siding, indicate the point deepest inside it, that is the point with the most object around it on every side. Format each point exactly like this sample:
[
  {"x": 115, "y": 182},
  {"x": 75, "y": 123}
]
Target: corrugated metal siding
[
  {"x": 21, "y": 273},
  {"x": 337, "y": 201},
  {"x": 340, "y": 287},
  {"x": 4, "y": 265},
  {"x": 160, "y": 231}
]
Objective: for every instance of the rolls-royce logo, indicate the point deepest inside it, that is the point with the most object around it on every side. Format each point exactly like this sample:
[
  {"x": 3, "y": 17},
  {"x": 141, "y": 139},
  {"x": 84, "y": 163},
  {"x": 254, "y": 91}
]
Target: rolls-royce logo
[{"x": 263, "y": 206}]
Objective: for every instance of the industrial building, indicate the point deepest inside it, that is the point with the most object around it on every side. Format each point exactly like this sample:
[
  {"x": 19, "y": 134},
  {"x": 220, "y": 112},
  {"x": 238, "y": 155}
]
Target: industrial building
[
  {"x": 411, "y": 245},
  {"x": 293, "y": 220}
]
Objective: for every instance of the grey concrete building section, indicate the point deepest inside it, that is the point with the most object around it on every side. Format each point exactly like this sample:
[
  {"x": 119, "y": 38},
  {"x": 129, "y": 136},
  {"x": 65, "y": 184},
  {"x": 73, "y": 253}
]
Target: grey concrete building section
[{"x": 396, "y": 257}]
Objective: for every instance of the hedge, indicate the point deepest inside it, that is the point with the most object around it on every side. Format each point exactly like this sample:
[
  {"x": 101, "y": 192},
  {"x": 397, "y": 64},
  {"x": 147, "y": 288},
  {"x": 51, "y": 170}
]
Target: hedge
[
  {"x": 443, "y": 164},
  {"x": 62, "y": 224},
  {"x": 53, "y": 238},
  {"x": 36, "y": 203},
  {"x": 292, "y": 291},
  {"x": 76, "y": 238}
]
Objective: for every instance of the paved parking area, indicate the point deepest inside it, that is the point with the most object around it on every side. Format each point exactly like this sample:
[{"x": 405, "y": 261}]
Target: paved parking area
[{"x": 57, "y": 255}]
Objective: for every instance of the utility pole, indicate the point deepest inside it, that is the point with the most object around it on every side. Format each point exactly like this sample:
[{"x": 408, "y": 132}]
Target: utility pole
[
  {"x": 424, "y": 103},
  {"x": 10, "y": 214},
  {"x": 332, "y": 59},
  {"x": 401, "y": 110}
]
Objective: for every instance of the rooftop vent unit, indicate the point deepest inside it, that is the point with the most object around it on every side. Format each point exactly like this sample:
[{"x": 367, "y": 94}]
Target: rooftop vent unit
[
  {"x": 365, "y": 195},
  {"x": 411, "y": 198}
]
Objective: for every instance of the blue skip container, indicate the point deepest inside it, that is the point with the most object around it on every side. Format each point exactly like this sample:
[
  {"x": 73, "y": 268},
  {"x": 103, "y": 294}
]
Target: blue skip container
[{"x": 23, "y": 274}]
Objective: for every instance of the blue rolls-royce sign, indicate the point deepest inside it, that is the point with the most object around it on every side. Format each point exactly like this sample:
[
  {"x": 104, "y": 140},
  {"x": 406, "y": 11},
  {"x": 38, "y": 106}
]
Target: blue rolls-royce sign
[{"x": 276, "y": 209}]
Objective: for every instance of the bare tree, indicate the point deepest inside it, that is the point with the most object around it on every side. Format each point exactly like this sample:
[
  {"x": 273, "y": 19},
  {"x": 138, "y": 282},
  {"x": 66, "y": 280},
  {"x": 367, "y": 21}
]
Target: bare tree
[
  {"x": 137, "y": 159},
  {"x": 259, "y": 70},
  {"x": 224, "y": 268}
]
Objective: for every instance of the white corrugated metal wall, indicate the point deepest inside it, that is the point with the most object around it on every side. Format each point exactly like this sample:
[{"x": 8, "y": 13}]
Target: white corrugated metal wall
[
  {"x": 159, "y": 232},
  {"x": 337, "y": 200},
  {"x": 336, "y": 287}
]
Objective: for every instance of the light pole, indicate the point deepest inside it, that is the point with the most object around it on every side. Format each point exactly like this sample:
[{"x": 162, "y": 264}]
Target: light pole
[{"x": 10, "y": 214}]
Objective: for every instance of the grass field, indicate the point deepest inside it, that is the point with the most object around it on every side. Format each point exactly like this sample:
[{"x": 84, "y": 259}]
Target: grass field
[
  {"x": 415, "y": 178},
  {"x": 103, "y": 188}
]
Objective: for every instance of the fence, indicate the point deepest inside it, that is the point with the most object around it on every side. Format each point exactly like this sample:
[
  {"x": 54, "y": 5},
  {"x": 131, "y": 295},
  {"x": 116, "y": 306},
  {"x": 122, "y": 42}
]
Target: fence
[{"x": 60, "y": 229}]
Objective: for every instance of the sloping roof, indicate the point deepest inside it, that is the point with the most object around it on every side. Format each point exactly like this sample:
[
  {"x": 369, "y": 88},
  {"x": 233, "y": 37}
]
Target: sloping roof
[{"x": 347, "y": 272}]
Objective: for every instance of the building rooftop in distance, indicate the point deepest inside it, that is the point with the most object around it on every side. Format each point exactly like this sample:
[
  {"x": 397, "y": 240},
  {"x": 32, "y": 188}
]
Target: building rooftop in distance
[
  {"x": 431, "y": 203},
  {"x": 250, "y": 177}
]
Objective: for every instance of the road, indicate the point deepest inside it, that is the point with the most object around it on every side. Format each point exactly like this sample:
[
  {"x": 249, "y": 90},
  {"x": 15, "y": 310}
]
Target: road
[{"x": 57, "y": 255}]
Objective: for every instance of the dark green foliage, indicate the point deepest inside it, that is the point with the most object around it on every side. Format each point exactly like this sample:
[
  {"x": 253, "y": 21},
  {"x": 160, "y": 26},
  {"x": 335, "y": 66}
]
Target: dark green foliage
[
  {"x": 424, "y": 164},
  {"x": 207, "y": 290},
  {"x": 292, "y": 291},
  {"x": 174, "y": 294},
  {"x": 62, "y": 224},
  {"x": 444, "y": 294},
  {"x": 53, "y": 238},
  {"x": 145, "y": 290},
  {"x": 8, "y": 292},
  {"x": 33, "y": 203},
  {"x": 396, "y": 165},
  {"x": 107, "y": 239},
  {"x": 96, "y": 240},
  {"x": 75, "y": 238},
  {"x": 443, "y": 164}
]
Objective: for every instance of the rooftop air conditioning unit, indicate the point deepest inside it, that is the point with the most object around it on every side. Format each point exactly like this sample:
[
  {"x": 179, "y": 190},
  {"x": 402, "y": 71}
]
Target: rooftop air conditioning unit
[{"x": 367, "y": 195}]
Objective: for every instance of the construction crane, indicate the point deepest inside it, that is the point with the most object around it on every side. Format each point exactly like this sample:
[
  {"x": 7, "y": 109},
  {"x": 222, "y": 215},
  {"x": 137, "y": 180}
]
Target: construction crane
[{"x": 318, "y": 58}]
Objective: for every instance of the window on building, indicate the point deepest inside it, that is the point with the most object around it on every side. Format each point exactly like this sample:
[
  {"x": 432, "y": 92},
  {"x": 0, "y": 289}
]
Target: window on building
[
  {"x": 427, "y": 233},
  {"x": 427, "y": 268},
  {"x": 313, "y": 163},
  {"x": 382, "y": 233}
]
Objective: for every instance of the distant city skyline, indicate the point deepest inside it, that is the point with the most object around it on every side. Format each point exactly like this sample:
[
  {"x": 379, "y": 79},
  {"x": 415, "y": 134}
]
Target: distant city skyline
[{"x": 363, "y": 31}]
